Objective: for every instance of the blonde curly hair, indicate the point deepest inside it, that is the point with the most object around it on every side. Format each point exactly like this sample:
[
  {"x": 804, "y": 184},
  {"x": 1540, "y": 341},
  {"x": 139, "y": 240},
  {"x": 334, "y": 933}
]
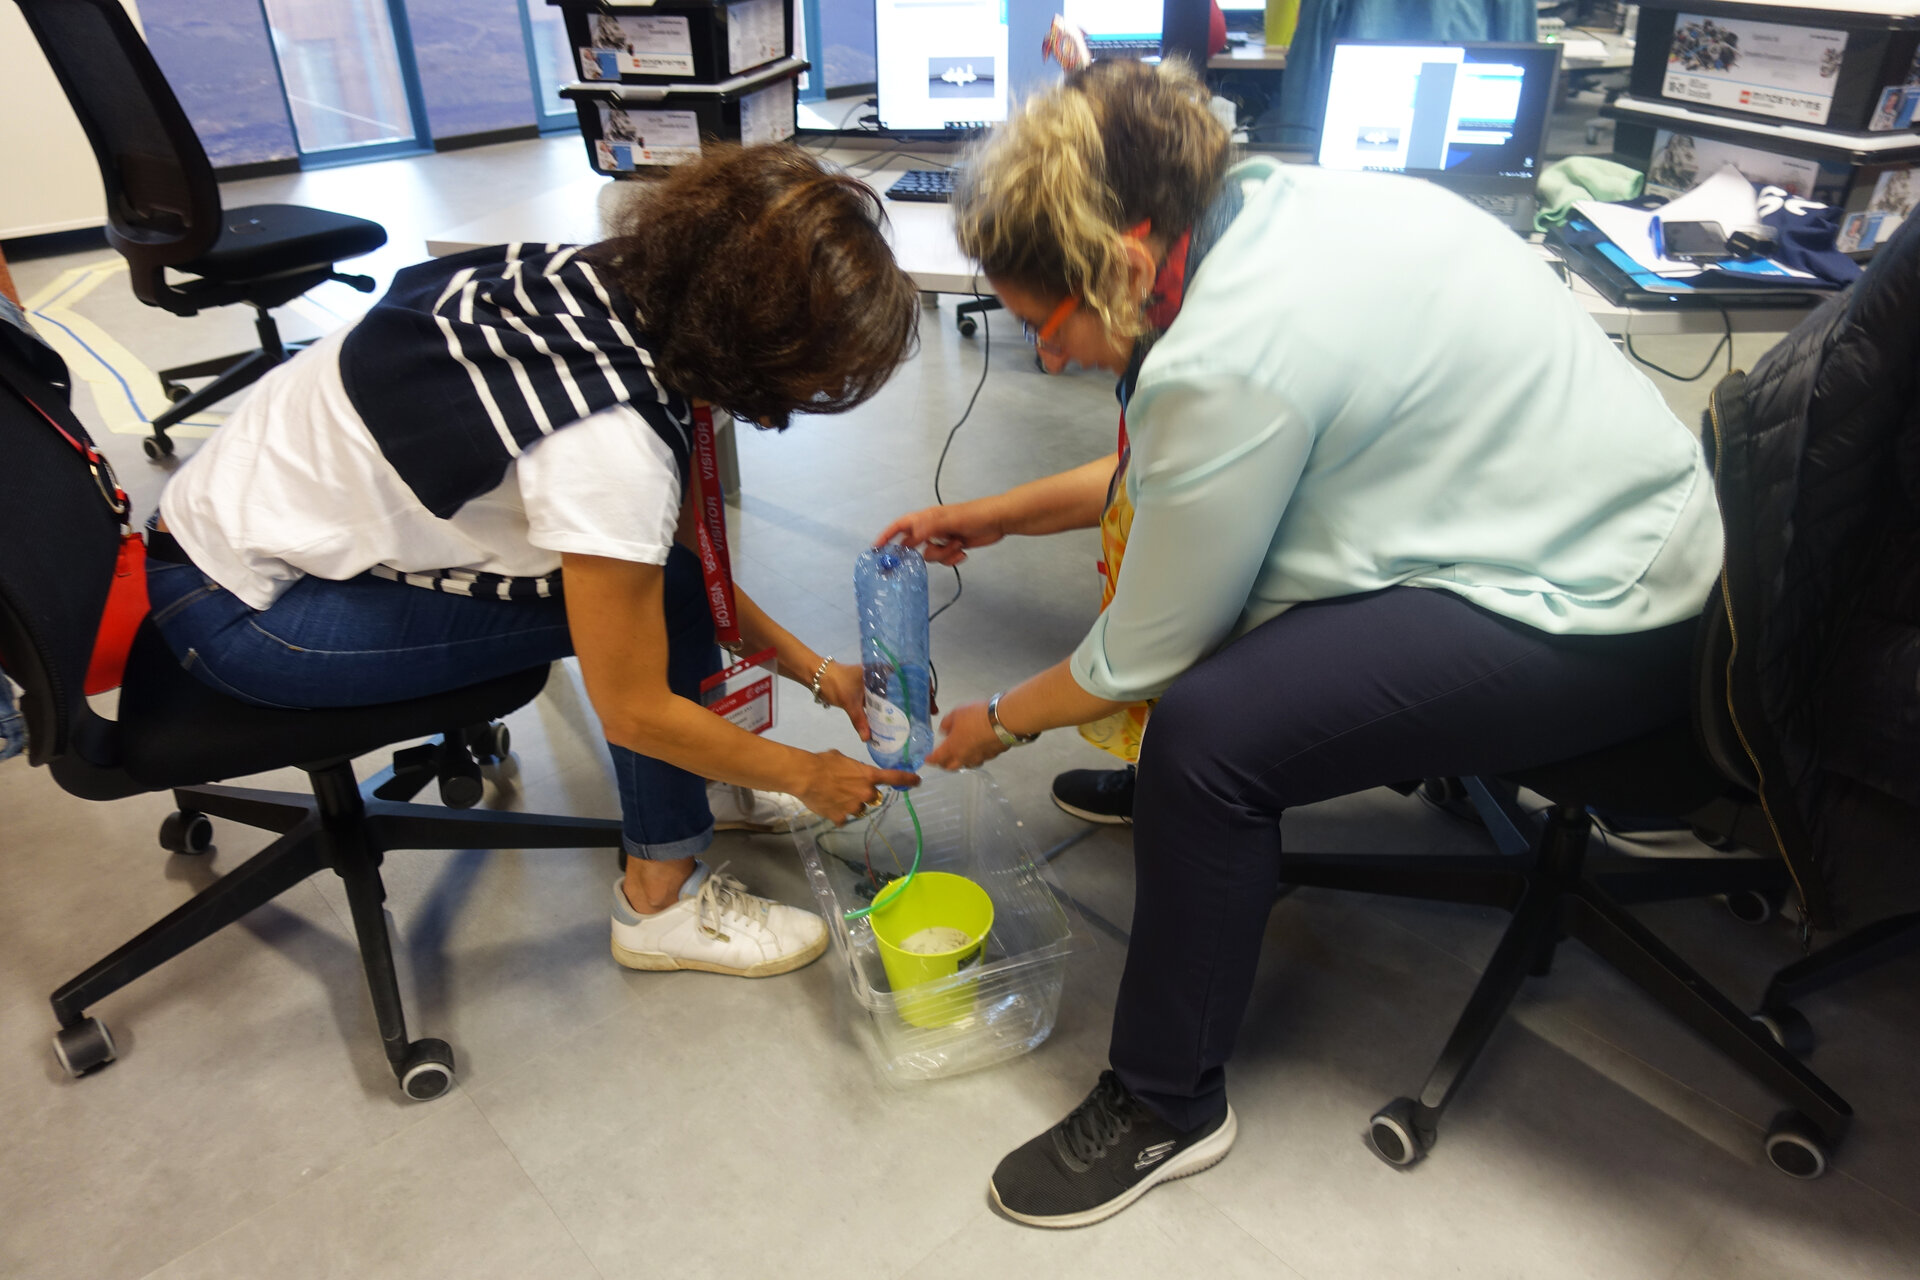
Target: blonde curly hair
[{"x": 1046, "y": 200}]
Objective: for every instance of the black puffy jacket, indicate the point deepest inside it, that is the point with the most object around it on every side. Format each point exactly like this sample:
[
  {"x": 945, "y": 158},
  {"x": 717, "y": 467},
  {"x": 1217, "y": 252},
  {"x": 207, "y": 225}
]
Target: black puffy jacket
[{"x": 1817, "y": 461}]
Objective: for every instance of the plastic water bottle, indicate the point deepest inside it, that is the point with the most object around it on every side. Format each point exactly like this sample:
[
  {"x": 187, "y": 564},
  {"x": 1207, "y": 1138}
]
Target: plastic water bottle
[{"x": 890, "y": 590}]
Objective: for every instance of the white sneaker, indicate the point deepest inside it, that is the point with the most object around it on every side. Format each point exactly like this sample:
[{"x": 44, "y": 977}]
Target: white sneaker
[
  {"x": 744, "y": 809},
  {"x": 719, "y": 929}
]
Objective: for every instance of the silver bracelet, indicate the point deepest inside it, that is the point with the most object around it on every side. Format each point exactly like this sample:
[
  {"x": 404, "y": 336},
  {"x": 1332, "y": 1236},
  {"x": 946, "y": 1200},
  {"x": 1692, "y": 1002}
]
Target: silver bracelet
[
  {"x": 1008, "y": 738},
  {"x": 819, "y": 673}
]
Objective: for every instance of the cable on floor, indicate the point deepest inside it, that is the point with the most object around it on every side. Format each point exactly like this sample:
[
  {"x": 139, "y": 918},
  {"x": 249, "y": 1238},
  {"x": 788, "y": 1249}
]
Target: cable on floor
[
  {"x": 986, "y": 362},
  {"x": 1725, "y": 343}
]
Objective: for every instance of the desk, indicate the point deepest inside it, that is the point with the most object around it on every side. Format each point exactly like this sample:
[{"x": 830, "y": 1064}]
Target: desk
[
  {"x": 1618, "y": 322},
  {"x": 922, "y": 239},
  {"x": 1249, "y": 57},
  {"x": 921, "y": 234},
  {"x": 1579, "y": 59}
]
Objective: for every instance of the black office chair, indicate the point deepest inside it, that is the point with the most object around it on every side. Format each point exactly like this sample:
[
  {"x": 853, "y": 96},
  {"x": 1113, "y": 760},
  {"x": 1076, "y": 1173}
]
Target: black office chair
[
  {"x": 163, "y": 206},
  {"x": 174, "y": 733},
  {"x": 1738, "y": 768}
]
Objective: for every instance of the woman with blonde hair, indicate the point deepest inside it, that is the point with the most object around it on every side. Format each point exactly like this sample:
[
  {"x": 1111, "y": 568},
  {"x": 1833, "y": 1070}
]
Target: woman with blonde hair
[{"x": 1386, "y": 504}]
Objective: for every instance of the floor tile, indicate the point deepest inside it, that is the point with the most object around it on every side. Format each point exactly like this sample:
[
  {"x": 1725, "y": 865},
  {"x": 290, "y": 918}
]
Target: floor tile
[
  {"x": 1786, "y": 1230},
  {"x": 1542, "y": 1168},
  {"x": 445, "y": 1198},
  {"x": 1172, "y": 1231}
]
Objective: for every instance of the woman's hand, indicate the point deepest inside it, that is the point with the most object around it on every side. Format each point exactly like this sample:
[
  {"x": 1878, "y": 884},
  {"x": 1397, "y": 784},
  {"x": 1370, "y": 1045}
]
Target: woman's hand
[
  {"x": 969, "y": 741},
  {"x": 837, "y": 788},
  {"x": 841, "y": 686},
  {"x": 945, "y": 534}
]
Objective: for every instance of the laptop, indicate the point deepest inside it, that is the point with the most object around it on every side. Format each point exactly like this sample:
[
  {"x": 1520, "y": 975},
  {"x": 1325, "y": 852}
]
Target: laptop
[
  {"x": 1625, "y": 283},
  {"x": 1469, "y": 117}
]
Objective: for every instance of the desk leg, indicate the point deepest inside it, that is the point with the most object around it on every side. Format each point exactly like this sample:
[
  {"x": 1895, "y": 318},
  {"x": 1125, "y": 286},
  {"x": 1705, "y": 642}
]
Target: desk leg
[{"x": 930, "y": 300}]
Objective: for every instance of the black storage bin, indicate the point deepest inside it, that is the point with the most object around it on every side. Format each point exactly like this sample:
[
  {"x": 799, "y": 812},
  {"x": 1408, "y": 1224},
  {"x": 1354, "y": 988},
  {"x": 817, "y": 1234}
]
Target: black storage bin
[
  {"x": 1861, "y": 173},
  {"x": 636, "y": 130},
  {"x": 675, "y": 41},
  {"x": 1855, "y": 72}
]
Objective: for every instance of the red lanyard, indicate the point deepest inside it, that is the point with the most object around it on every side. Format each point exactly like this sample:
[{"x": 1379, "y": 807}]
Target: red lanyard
[{"x": 715, "y": 565}]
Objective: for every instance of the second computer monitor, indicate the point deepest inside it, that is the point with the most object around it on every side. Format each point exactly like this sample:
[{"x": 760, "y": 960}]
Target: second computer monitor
[{"x": 1464, "y": 110}]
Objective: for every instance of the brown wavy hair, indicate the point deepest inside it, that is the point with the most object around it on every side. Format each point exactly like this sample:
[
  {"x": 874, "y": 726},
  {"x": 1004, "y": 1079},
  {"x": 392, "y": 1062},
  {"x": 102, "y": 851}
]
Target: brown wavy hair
[
  {"x": 765, "y": 281},
  {"x": 1048, "y": 197}
]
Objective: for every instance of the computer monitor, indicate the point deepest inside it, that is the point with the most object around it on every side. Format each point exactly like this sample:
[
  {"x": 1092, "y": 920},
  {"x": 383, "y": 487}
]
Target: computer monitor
[
  {"x": 1463, "y": 110},
  {"x": 1118, "y": 28},
  {"x": 1244, "y": 15},
  {"x": 949, "y": 66}
]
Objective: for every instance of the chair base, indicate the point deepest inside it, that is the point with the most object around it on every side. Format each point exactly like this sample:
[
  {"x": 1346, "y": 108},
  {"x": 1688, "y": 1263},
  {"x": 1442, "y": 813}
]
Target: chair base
[
  {"x": 343, "y": 828},
  {"x": 1859, "y": 951},
  {"x": 230, "y": 374},
  {"x": 1559, "y": 891},
  {"x": 963, "y": 315}
]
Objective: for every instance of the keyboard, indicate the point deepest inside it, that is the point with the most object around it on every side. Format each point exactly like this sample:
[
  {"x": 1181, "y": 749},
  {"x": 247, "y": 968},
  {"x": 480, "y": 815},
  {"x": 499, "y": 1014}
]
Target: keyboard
[
  {"x": 1498, "y": 206},
  {"x": 931, "y": 186},
  {"x": 1137, "y": 50}
]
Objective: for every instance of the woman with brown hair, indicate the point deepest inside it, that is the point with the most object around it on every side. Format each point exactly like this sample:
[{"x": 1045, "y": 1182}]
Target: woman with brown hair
[
  {"x": 499, "y": 465},
  {"x": 1386, "y": 504}
]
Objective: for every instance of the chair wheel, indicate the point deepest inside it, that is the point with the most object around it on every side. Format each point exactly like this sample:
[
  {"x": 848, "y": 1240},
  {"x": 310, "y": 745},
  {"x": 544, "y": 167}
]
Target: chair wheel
[
  {"x": 490, "y": 743},
  {"x": 1789, "y": 1029},
  {"x": 461, "y": 785},
  {"x": 85, "y": 1046},
  {"x": 157, "y": 447},
  {"x": 176, "y": 391},
  {"x": 428, "y": 1070},
  {"x": 186, "y": 831},
  {"x": 967, "y": 326},
  {"x": 1752, "y": 906},
  {"x": 1394, "y": 1137},
  {"x": 1795, "y": 1147}
]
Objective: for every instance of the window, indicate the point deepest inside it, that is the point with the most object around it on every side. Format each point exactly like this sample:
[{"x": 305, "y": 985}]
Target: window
[{"x": 349, "y": 89}]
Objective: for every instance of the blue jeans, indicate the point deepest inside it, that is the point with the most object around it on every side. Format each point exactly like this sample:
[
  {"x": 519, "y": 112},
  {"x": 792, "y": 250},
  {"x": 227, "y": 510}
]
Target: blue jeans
[{"x": 368, "y": 640}]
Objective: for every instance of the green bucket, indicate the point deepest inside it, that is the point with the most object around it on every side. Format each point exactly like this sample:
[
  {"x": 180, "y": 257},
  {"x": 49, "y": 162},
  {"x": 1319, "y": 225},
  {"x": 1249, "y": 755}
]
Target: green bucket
[{"x": 905, "y": 929}]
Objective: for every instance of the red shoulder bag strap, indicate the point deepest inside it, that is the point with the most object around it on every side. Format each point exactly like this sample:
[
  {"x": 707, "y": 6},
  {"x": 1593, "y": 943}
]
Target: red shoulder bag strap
[{"x": 127, "y": 597}]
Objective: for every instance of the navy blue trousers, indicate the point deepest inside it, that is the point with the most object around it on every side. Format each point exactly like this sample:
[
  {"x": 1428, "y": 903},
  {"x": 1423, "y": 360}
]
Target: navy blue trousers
[{"x": 1328, "y": 699}]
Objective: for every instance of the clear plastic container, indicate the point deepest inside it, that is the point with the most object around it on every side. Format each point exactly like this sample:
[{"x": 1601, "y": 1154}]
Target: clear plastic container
[{"x": 970, "y": 831}]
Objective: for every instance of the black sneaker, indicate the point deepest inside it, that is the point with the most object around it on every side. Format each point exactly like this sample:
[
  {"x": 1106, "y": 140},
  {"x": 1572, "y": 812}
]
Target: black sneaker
[
  {"x": 1107, "y": 1153},
  {"x": 1098, "y": 795}
]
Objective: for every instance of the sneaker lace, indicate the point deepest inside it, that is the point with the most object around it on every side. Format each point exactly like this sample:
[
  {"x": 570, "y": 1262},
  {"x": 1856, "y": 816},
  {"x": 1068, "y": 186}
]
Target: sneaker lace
[
  {"x": 722, "y": 896},
  {"x": 1095, "y": 1124}
]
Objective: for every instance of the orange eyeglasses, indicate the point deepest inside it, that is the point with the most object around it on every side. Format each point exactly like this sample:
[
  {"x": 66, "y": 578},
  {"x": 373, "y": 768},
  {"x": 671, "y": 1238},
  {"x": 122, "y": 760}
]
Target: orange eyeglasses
[{"x": 1043, "y": 336}]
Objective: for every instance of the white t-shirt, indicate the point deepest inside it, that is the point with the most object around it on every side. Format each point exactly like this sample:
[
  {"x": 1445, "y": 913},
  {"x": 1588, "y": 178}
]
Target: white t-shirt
[{"x": 293, "y": 484}]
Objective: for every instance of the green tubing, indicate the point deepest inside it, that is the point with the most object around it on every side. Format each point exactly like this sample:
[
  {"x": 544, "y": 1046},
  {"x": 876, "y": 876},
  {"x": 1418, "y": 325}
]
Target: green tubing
[
  {"x": 919, "y": 837},
  {"x": 899, "y": 886}
]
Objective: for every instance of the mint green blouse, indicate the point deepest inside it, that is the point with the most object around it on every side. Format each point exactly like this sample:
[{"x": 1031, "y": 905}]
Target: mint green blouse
[{"x": 1373, "y": 383}]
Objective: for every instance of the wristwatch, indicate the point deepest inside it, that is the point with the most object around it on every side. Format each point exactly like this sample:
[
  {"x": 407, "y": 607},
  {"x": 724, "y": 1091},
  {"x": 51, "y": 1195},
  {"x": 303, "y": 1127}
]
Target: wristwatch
[
  {"x": 819, "y": 674},
  {"x": 1008, "y": 738}
]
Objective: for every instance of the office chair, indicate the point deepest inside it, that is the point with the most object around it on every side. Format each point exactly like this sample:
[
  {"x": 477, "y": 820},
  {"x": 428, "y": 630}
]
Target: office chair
[
  {"x": 174, "y": 733},
  {"x": 163, "y": 206},
  {"x": 1729, "y": 769}
]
